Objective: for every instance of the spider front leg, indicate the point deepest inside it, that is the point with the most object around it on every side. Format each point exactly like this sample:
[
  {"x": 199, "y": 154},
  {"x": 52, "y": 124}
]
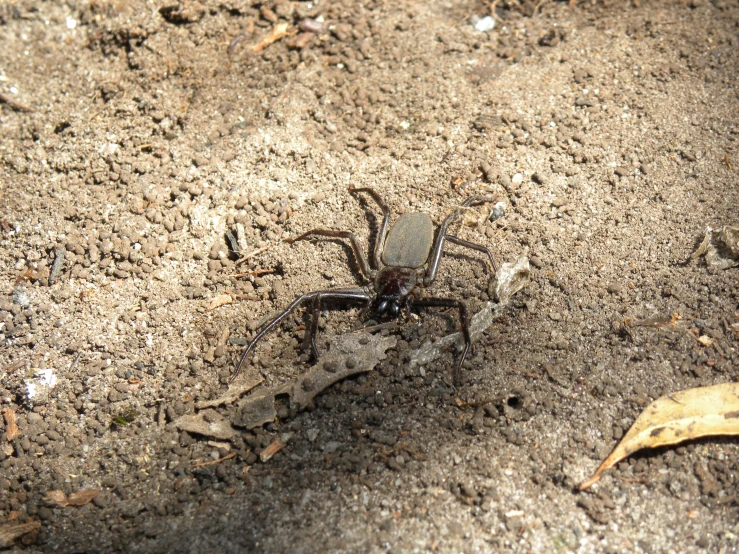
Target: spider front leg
[
  {"x": 475, "y": 246},
  {"x": 330, "y": 233},
  {"x": 349, "y": 295},
  {"x": 442, "y": 237},
  {"x": 462, "y": 307}
]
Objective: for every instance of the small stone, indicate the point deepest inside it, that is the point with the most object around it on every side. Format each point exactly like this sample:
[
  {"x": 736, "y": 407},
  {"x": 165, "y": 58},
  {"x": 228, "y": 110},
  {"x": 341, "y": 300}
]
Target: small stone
[
  {"x": 517, "y": 179},
  {"x": 514, "y": 523},
  {"x": 614, "y": 288},
  {"x": 485, "y": 24},
  {"x": 497, "y": 212}
]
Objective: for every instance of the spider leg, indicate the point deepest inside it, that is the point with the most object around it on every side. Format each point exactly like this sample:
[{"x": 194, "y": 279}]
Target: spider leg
[
  {"x": 361, "y": 259},
  {"x": 347, "y": 295},
  {"x": 310, "y": 338},
  {"x": 442, "y": 235},
  {"x": 385, "y": 220},
  {"x": 474, "y": 246},
  {"x": 462, "y": 307}
]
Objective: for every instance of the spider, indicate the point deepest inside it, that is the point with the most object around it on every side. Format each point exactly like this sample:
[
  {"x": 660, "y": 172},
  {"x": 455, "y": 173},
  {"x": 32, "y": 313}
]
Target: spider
[{"x": 406, "y": 260}]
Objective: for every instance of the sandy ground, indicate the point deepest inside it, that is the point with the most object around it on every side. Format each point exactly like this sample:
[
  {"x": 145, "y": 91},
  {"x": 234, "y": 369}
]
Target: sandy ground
[{"x": 136, "y": 135}]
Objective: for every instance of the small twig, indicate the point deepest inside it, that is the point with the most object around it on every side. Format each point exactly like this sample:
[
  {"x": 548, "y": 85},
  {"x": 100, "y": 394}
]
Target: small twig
[
  {"x": 76, "y": 359},
  {"x": 255, "y": 273},
  {"x": 255, "y": 253},
  {"x": 14, "y": 103},
  {"x": 213, "y": 462},
  {"x": 493, "y": 7}
]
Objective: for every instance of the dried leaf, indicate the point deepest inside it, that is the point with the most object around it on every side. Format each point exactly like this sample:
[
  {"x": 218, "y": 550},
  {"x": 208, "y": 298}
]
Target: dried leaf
[
  {"x": 236, "y": 390},
  {"x": 348, "y": 355},
  {"x": 677, "y": 417},
  {"x": 220, "y": 300},
  {"x": 208, "y": 423},
  {"x": 10, "y": 532},
  {"x": 82, "y": 497},
  {"x": 79, "y": 498},
  {"x": 11, "y": 427}
]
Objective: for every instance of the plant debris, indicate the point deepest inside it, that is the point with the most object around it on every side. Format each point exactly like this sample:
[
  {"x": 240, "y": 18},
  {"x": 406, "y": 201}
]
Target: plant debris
[
  {"x": 279, "y": 31},
  {"x": 12, "y": 531},
  {"x": 243, "y": 384},
  {"x": 80, "y": 498},
  {"x": 677, "y": 417},
  {"x": 208, "y": 423},
  {"x": 11, "y": 427},
  {"x": 229, "y": 456},
  {"x": 273, "y": 448},
  {"x": 720, "y": 249},
  {"x": 510, "y": 278},
  {"x": 218, "y": 301},
  {"x": 348, "y": 355}
]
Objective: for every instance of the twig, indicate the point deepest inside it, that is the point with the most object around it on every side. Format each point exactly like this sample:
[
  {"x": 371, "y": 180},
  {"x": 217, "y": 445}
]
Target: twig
[
  {"x": 255, "y": 253},
  {"x": 493, "y": 7},
  {"x": 76, "y": 359},
  {"x": 14, "y": 103},
  {"x": 213, "y": 462},
  {"x": 255, "y": 273}
]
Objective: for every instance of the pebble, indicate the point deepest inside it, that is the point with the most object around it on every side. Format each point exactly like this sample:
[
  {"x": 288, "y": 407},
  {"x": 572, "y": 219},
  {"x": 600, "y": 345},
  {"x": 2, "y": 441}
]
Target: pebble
[
  {"x": 310, "y": 25},
  {"x": 497, "y": 212},
  {"x": 614, "y": 288},
  {"x": 21, "y": 298},
  {"x": 517, "y": 179},
  {"x": 485, "y": 24},
  {"x": 319, "y": 197}
]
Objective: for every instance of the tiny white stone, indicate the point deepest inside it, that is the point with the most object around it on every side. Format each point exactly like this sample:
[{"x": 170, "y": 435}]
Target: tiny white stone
[
  {"x": 485, "y": 24},
  {"x": 517, "y": 179},
  {"x": 71, "y": 22}
]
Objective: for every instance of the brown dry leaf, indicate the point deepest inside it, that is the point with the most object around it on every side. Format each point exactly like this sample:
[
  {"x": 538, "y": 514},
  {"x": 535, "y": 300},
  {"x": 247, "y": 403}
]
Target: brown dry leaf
[
  {"x": 56, "y": 497},
  {"x": 82, "y": 497},
  {"x": 220, "y": 300},
  {"x": 12, "y": 531},
  {"x": 11, "y": 427},
  {"x": 75, "y": 499},
  {"x": 279, "y": 31},
  {"x": 677, "y": 417}
]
